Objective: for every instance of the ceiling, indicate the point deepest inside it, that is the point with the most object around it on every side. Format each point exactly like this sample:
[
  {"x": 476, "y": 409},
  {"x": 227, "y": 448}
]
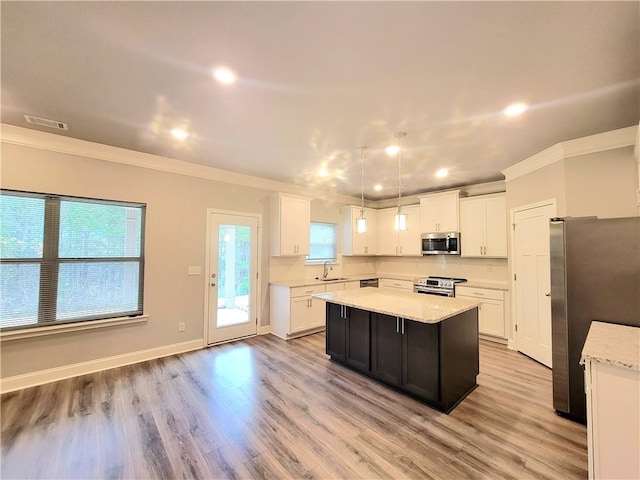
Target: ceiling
[{"x": 316, "y": 80}]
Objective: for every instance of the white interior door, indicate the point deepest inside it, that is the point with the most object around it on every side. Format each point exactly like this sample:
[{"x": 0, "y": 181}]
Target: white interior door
[
  {"x": 232, "y": 275},
  {"x": 533, "y": 282}
]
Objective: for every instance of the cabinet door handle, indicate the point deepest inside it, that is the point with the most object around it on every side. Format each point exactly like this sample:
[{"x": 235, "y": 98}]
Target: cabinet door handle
[
  {"x": 403, "y": 326},
  {"x": 397, "y": 324}
]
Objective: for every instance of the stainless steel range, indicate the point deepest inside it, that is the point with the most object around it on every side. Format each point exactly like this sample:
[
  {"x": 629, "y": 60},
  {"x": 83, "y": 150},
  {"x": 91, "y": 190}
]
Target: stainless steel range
[{"x": 432, "y": 285}]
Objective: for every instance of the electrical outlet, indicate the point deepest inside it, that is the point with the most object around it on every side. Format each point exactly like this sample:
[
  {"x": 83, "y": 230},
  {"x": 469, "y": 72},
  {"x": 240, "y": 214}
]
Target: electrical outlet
[{"x": 181, "y": 326}]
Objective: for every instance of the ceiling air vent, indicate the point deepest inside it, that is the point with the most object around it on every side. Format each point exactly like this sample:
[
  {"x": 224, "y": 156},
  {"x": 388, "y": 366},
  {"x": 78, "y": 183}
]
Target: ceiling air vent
[{"x": 45, "y": 122}]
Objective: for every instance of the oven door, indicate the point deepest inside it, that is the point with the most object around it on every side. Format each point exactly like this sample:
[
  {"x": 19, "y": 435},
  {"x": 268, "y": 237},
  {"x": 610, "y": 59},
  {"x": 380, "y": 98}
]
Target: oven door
[{"x": 432, "y": 291}]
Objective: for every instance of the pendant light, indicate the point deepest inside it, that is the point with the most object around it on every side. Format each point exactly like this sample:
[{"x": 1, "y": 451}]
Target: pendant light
[
  {"x": 401, "y": 217},
  {"x": 361, "y": 221}
]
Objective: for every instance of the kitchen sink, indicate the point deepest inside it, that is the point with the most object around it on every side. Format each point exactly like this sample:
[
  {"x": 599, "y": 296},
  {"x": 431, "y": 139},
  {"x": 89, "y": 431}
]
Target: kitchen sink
[{"x": 332, "y": 279}]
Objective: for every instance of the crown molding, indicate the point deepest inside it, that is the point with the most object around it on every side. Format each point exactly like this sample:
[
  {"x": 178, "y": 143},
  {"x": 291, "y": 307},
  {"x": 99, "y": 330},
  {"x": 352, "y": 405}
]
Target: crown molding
[
  {"x": 82, "y": 148},
  {"x": 600, "y": 142}
]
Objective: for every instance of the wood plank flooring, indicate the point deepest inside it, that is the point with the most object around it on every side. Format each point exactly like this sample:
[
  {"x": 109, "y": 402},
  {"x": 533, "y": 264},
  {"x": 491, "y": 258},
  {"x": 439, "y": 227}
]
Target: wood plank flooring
[{"x": 266, "y": 408}]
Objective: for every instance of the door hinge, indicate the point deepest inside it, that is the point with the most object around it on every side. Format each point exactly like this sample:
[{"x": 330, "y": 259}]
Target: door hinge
[
  {"x": 513, "y": 225},
  {"x": 515, "y": 277},
  {"x": 516, "y": 325}
]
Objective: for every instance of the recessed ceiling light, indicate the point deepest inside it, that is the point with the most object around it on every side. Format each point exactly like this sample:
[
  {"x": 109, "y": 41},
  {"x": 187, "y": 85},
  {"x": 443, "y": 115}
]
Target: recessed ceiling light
[
  {"x": 224, "y": 75},
  {"x": 323, "y": 172},
  {"x": 515, "y": 109},
  {"x": 179, "y": 134},
  {"x": 392, "y": 150},
  {"x": 377, "y": 187},
  {"x": 443, "y": 172}
]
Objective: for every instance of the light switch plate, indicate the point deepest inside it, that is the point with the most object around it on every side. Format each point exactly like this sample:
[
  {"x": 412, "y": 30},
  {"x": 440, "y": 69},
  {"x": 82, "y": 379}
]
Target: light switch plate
[{"x": 195, "y": 270}]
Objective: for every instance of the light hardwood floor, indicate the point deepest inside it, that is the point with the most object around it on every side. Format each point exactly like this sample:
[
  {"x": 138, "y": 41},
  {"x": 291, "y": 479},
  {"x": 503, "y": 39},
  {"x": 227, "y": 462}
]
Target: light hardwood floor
[{"x": 266, "y": 408}]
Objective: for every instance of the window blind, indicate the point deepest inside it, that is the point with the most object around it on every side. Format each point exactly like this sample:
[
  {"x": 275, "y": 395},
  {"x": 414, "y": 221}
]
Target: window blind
[{"x": 68, "y": 259}]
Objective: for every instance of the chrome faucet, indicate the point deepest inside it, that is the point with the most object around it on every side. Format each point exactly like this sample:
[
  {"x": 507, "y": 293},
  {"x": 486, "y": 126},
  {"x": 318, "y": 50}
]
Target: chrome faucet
[{"x": 325, "y": 269}]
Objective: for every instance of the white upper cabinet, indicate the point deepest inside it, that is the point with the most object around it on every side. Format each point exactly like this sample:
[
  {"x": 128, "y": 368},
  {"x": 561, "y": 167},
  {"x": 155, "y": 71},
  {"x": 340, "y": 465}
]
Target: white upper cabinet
[
  {"x": 439, "y": 212},
  {"x": 354, "y": 243},
  {"x": 393, "y": 242},
  {"x": 290, "y": 225},
  {"x": 483, "y": 226},
  {"x": 387, "y": 235}
]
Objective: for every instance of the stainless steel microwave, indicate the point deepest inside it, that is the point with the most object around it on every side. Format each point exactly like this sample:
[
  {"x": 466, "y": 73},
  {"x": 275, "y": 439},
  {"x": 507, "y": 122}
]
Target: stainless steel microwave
[{"x": 441, "y": 243}]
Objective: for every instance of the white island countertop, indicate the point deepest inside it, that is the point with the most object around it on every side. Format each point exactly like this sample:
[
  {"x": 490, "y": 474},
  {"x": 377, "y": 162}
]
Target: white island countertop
[
  {"x": 617, "y": 345},
  {"x": 399, "y": 303}
]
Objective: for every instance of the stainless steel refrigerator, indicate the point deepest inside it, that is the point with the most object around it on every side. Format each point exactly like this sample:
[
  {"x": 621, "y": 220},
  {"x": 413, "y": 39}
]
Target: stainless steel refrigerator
[{"x": 595, "y": 275}]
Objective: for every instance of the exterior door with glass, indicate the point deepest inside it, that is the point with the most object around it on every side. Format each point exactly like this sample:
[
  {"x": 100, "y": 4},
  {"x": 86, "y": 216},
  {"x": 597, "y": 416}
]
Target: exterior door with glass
[{"x": 232, "y": 276}]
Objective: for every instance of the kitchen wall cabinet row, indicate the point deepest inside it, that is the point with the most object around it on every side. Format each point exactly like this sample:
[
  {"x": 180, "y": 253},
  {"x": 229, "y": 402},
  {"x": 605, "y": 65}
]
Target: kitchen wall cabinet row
[
  {"x": 481, "y": 220},
  {"x": 294, "y": 312}
]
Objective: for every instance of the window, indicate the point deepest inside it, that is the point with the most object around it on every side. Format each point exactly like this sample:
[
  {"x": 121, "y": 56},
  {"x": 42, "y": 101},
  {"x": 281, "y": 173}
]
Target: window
[
  {"x": 323, "y": 243},
  {"x": 67, "y": 259}
]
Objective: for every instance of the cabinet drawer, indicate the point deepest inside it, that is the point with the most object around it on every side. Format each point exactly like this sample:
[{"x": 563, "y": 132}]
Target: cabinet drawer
[
  {"x": 405, "y": 284},
  {"x": 334, "y": 287},
  {"x": 480, "y": 293},
  {"x": 305, "y": 291}
]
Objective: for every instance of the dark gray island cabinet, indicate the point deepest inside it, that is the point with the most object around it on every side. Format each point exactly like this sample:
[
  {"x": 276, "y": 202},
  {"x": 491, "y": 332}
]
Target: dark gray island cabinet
[{"x": 431, "y": 356}]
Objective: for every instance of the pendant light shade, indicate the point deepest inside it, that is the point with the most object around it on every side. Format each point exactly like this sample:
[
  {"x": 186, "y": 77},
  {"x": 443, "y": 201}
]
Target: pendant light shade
[
  {"x": 361, "y": 221},
  {"x": 401, "y": 221}
]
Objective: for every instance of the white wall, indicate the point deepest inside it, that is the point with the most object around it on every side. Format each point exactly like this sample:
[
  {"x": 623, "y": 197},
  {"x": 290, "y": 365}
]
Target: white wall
[
  {"x": 602, "y": 184},
  {"x": 175, "y": 239}
]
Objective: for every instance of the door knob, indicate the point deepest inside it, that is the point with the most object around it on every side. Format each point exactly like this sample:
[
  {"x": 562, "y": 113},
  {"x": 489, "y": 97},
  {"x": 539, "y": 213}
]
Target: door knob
[
  {"x": 213, "y": 275},
  {"x": 213, "y": 284},
  {"x": 547, "y": 294}
]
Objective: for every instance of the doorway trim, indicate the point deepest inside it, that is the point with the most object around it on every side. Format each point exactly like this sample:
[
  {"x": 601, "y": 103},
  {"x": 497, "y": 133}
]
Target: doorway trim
[
  {"x": 512, "y": 342},
  {"x": 207, "y": 268}
]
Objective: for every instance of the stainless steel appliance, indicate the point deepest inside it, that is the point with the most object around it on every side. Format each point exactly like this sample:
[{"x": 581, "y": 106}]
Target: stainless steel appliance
[
  {"x": 441, "y": 243},
  {"x": 442, "y": 286},
  {"x": 369, "y": 282},
  {"x": 595, "y": 275}
]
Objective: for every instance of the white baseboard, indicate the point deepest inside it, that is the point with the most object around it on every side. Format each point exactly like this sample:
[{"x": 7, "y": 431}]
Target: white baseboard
[
  {"x": 264, "y": 329},
  {"x": 40, "y": 377}
]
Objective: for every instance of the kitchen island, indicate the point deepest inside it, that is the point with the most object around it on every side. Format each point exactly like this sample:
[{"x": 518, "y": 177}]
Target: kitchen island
[{"x": 423, "y": 345}]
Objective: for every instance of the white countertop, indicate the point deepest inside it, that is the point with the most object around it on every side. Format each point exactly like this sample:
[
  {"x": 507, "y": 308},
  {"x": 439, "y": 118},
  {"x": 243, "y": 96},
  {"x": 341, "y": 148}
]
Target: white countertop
[
  {"x": 483, "y": 284},
  {"x": 391, "y": 276},
  {"x": 617, "y": 345},
  {"x": 399, "y": 303},
  {"x": 311, "y": 281}
]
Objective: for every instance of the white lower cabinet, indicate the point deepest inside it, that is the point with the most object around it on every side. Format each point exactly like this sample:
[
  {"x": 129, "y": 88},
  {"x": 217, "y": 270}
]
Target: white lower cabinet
[
  {"x": 401, "y": 284},
  {"x": 613, "y": 420},
  {"x": 491, "y": 317},
  {"x": 348, "y": 286},
  {"x": 293, "y": 312}
]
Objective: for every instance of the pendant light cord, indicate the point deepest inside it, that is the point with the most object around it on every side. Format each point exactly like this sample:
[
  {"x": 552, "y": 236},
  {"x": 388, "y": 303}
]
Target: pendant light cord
[
  {"x": 400, "y": 136},
  {"x": 362, "y": 150}
]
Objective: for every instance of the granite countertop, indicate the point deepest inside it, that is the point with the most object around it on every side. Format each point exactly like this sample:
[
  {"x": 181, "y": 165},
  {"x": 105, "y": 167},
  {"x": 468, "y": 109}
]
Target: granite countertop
[
  {"x": 398, "y": 303},
  {"x": 353, "y": 278},
  {"x": 311, "y": 281},
  {"x": 484, "y": 284},
  {"x": 617, "y": 345}
]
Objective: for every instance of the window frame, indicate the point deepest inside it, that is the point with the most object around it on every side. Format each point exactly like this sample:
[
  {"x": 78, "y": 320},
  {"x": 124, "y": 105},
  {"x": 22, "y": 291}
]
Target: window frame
[
  {"x": 50, "y": 261},
  {"x": 319, "y": 261}
]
